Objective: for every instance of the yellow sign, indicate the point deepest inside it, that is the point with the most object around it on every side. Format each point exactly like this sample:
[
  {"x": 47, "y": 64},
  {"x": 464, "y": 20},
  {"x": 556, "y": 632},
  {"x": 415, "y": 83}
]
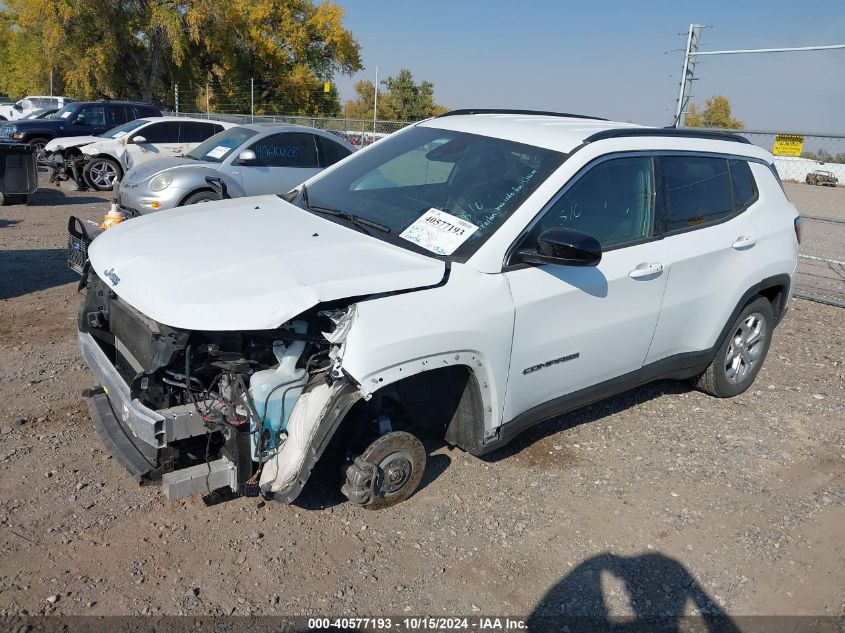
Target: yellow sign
[
  {"x": 788, "y": 145},
  {"x": 327, "y": 87}
]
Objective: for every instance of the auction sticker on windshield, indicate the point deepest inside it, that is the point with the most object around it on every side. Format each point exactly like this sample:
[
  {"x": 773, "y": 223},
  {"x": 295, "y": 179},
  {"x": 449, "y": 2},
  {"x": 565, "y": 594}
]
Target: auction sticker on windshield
[
  {"x": 439, "y": 232},
  {"x": 219, "y": 151}
]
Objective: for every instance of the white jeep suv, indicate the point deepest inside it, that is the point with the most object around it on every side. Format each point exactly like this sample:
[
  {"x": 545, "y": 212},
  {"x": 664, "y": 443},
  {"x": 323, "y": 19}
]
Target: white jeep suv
[{"x": 459, "y": 281}]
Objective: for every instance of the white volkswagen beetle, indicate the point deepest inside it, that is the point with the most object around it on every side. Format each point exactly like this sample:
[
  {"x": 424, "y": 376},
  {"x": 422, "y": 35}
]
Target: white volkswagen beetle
[{"x": 99, "y": 162}]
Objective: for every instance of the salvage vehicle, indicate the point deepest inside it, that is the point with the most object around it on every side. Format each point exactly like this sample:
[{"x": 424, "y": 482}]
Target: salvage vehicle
[
  {"x": 89, "y": 118},
  {"x": 821, "y": 178},
  {"x": 99, "y": 162},
  {"x": 459, "y": 281},
  {"x": 26, "y": 106},
  {"x": 246, "y": 160}
]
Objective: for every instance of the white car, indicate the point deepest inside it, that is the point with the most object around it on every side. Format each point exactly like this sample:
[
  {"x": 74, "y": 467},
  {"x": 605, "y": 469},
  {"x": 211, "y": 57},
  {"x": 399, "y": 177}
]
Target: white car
[
  {"x": 27, "y": 105},
  {"x": 460, "y": 280},
  {"x": 99, "y": 162}
]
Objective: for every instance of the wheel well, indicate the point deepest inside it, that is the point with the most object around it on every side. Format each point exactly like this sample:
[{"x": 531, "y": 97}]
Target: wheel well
[
  {"x": 776, "y": 296},
  {"x": 193, "y": 192},
  {"x": 443, "y": 403}
]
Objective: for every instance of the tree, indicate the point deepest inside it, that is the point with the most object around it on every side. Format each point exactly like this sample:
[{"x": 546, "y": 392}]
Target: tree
[
  {"x": 404, "y": 100},
  {"x": 140, "y": 48},
  {"x": 716, "y": 113}
]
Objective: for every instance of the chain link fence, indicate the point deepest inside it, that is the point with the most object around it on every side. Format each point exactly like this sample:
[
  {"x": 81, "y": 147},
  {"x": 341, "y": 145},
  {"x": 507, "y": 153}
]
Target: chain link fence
[
  {"x": 820, "y": 199},
  {"x": 358, "y": 132}
]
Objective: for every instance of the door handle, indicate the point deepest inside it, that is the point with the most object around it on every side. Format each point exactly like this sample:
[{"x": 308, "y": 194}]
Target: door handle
[
  {"x": 743, "y": 242},
  {"x": 646, "y": 269}
]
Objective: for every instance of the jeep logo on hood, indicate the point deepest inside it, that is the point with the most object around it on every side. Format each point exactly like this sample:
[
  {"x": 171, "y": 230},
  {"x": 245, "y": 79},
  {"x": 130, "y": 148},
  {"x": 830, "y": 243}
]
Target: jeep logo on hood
[{"x": 113, "y": 278}]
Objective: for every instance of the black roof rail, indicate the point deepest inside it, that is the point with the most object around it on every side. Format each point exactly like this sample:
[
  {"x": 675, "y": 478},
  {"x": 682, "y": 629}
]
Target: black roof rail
[
  {"x": 665, "y": 131},
  {"x": 565, "y": 115}
]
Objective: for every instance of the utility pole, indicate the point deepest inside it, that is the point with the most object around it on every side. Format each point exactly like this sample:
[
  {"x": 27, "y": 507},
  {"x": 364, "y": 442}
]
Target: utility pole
[
  {"x": 176, "y": 97},
  {"x": 691, "y": 55},
  {"x": 252, "y": 99},
  {"x": 51, "y": 82},
  {"x": 693, "y": 39},
  {"x": 207, "y": 101},
  {"x": 375, "y": 104}
]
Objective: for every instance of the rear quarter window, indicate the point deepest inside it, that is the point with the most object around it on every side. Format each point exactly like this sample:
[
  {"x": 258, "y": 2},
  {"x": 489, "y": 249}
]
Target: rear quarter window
[
  {"x": 330, "y": 151},
  {"x": 742, "y": 181}
]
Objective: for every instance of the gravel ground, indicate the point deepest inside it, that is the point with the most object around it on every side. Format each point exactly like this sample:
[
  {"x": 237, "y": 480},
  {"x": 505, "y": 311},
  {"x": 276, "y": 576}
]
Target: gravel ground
[{"x": 659, "y": 501}]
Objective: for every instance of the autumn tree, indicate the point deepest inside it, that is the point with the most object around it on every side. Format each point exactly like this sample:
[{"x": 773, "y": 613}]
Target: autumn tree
[
  {"x": 403, "y": 99},
  {"x": 140, "y": 48},
  {"x": 716, "y": 114}
]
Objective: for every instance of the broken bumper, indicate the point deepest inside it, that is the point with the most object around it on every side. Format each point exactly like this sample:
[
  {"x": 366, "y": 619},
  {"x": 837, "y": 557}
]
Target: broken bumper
[{"x": 155, "y": 428}]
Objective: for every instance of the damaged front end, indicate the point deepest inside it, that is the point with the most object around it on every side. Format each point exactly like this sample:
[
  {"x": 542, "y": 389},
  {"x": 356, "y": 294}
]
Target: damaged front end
[
  {"x": 248, "y": 411},
  {"x": 66, "y": 164}
]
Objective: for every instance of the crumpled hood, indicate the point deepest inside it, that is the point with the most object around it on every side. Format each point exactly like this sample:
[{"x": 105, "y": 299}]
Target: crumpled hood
[
  {"x": 150, "y": 168},
  {"x": 247, "y": 264},
  {"x": 70, "y": 141}
]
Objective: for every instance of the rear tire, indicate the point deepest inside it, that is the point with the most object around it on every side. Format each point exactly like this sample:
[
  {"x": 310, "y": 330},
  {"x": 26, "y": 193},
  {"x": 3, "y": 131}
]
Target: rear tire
[
  {"x": 741, "y": 355},
  {"x": 200, "y": 196}
]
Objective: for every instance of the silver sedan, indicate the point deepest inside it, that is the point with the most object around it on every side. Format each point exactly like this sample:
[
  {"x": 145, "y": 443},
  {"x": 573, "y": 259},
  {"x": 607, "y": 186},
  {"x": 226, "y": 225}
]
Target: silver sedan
[{"x": 249, "y": 160}]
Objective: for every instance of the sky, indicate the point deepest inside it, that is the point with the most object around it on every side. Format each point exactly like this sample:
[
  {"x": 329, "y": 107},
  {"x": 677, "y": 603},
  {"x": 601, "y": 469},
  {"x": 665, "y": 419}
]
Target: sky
[{"x": 611, "y": 58}]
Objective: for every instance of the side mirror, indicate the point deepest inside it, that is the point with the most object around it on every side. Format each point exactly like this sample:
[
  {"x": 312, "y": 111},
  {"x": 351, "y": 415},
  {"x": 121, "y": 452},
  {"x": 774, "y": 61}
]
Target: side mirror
[
  {"x": 18, "y": 107},
  {"x": 564, "y": 247},
  {"x": 247, "y": 156},
  {"x": 139, "y": 139}
]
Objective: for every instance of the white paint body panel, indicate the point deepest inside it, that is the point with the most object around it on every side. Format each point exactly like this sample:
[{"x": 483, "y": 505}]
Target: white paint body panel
[
  {"x": 466, "y": 321},
  {"x": 599, "y": 313},
  {"x": 707, "y": 276},
  {"x": 248, "y": 264}
]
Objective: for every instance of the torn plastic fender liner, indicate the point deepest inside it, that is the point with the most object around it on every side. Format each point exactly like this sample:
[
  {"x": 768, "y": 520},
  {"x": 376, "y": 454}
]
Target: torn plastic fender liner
[{"x": 314, "y": 419}]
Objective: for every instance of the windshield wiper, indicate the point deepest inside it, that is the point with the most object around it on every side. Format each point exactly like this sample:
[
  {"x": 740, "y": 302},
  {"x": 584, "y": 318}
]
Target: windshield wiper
[{"x": 349, "y": 217}]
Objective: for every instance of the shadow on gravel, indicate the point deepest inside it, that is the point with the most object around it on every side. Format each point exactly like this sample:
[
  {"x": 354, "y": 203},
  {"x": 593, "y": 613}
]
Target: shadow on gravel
[
  {"x": 56, "y": 197},
  {"x": 657, "y": 591},
  {"x": 587, "y": 414},
  {"x": 26, "y": 271},
  {"x": 4, "y": 223}
]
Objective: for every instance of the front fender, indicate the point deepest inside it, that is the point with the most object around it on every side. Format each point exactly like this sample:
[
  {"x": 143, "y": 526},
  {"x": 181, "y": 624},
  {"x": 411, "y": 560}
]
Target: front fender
[
  {"x": 191, "y": 178},
  {"x": 466, "y": 321}
]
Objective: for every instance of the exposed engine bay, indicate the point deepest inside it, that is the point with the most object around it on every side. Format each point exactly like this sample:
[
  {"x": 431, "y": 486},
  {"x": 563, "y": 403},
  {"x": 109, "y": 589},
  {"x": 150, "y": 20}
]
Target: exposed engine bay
[
  {"x": 249, "y": 412},
  {"x": 242, "y": 386}
]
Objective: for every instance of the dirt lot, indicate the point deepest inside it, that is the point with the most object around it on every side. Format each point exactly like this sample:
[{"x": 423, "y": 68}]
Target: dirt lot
[{"x": 660, "y": 501}]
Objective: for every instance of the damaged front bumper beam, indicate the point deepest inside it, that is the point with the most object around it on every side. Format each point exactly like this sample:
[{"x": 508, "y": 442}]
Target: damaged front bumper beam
[{"x": 134, "y": 434}]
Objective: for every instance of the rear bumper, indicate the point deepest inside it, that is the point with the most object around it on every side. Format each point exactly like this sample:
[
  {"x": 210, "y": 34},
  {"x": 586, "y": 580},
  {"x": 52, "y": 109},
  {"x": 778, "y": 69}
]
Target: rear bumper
[{"x": 155, "y": 428}]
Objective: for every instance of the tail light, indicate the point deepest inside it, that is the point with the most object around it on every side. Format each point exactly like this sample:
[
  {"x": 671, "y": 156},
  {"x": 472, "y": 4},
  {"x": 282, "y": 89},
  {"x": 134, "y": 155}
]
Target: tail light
[{"x": 797, "y": 225}]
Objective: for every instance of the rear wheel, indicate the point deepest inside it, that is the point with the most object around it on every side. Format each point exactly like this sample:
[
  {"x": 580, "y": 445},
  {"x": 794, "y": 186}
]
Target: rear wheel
[
  {"x": 201, "y": 196},
  {"x": 741, "y": 355},
  {"x": 388, "y": 471},
  {"x": 102, "y": 173}
]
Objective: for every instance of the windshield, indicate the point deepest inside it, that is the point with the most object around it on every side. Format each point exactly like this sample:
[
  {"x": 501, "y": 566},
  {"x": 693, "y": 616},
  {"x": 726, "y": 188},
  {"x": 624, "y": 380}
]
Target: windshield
[
  {"x": 124, "y": 128},
  {"x": 63, "y": 113},
  {"x": 444, "y": 192},
  {"x": 215, "y": 148}
]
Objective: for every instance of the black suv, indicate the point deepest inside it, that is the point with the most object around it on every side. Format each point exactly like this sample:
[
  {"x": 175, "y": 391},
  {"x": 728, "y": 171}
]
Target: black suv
[{"x": 80, "y": 118}]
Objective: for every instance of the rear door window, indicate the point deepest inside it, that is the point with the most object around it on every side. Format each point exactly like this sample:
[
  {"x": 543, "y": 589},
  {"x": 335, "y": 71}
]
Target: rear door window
[
  {"x": 292, "y": 149},
  {"x": 330, "y": 151},
  {"x": 120, "y": 114},
  {"x": 698, "y": 190},
  {"x": 166, "y": 132},
  {"x": 194, "y": 132}
]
